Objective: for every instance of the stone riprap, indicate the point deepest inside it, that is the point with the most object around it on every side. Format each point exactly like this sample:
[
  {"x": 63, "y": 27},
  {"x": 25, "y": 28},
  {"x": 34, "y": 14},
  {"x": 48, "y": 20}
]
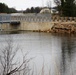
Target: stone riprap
[{"x": 64, "y": 27}]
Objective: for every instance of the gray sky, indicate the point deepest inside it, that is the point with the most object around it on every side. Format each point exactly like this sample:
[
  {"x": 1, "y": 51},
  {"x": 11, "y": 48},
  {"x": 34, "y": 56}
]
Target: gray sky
[{"x": 23, "y": 4}]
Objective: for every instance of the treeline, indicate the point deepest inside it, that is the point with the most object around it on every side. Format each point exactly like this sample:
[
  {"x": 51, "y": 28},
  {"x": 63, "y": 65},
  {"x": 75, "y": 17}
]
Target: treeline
[
  {"x": 33, "y": 10},
  {"x": 66, "y": 7},
  {"x": 5, "y": 9}
]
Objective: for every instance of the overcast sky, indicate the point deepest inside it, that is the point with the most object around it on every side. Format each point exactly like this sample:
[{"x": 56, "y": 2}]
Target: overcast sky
[{"x": 23, "y": 4}]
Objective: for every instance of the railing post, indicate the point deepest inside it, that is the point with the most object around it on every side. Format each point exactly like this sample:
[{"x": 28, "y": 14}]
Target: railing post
[{"x": 0, "y": 26}]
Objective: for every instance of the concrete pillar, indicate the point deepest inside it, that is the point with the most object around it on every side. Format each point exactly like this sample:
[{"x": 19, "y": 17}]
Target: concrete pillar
[
  {"x": 8, "y": 27},
  {"x": 0, "y": 26}
]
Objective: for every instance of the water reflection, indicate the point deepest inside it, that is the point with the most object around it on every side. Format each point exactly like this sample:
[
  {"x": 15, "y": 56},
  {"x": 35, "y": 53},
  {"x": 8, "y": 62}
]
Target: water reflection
[
  {"x": 55, "y": 53},
  {"x": 68, "y": 55}
]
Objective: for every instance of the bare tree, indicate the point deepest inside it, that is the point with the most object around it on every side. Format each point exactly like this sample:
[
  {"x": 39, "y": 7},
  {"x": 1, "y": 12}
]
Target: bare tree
[
  {"x": 57, "y": 2},
  {"x": 60, "y": 4},
  {"x": 8, "y": 65},
  {"x": 49, "y": 3}
]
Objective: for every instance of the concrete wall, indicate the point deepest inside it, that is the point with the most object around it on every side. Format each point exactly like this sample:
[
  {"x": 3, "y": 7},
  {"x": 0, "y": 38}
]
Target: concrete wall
[
  {"x": 30, "y": 26},
  {"x": 5, "y": 27},
  {"x": 36, "y": 26},
  {"x": 8, "y": 27},
  {"x": 31, "y": 22},
  {"x": 39, "y": 22}
]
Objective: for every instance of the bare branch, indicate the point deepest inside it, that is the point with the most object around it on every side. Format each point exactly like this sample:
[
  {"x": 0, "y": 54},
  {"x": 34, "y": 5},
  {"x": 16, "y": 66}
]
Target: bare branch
[
  {"x": 9, "y": 66},
  {"x": 49, "y": 3},
  {"x": 11, "y": 72},
  {"x": 57, "y": 2}
]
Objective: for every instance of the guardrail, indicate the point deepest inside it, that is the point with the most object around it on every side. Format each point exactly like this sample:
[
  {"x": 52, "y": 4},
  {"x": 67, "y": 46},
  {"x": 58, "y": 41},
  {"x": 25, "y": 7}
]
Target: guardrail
[{"x": 36, "y": 18}]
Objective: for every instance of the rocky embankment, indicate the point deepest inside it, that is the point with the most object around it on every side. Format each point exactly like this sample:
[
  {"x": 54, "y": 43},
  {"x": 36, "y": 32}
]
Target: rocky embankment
[{"x": 64, "y": 27}]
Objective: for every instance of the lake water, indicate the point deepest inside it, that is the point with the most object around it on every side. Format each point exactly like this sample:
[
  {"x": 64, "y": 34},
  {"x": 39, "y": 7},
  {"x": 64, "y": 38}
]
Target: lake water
[{"x": 54, "y": 54}]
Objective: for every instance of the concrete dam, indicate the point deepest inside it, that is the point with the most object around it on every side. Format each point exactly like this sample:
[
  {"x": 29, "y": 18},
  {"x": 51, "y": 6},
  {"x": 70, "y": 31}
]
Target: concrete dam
[
  {"x": 37, "y": 22},
  {"x": 34, "y": 22}
]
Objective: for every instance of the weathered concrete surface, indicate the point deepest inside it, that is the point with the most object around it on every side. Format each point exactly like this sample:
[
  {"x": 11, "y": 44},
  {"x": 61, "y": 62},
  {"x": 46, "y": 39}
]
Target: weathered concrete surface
[
  {"x": 28, "y": 26},
  {"x": 58, "y": 27},
  {"x": 36, "y": 26}
]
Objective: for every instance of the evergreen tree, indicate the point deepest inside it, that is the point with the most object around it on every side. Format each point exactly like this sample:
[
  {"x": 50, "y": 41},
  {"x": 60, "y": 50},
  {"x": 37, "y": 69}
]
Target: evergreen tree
[
  {"x": 69, "y": 8},
  {"x": 5, "y": 9},
  {"x": 32, "y": 9},
  {"x": 66, "y": 7},
  {"x": 37, "y": 10}
]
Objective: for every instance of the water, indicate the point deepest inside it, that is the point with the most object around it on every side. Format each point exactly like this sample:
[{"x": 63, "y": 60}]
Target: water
[{"x": 52, "y": 54}]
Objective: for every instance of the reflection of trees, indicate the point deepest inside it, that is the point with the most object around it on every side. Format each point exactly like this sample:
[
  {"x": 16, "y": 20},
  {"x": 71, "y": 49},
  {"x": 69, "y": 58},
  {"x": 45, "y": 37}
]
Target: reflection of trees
[{"x": 68, "y": 50}]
